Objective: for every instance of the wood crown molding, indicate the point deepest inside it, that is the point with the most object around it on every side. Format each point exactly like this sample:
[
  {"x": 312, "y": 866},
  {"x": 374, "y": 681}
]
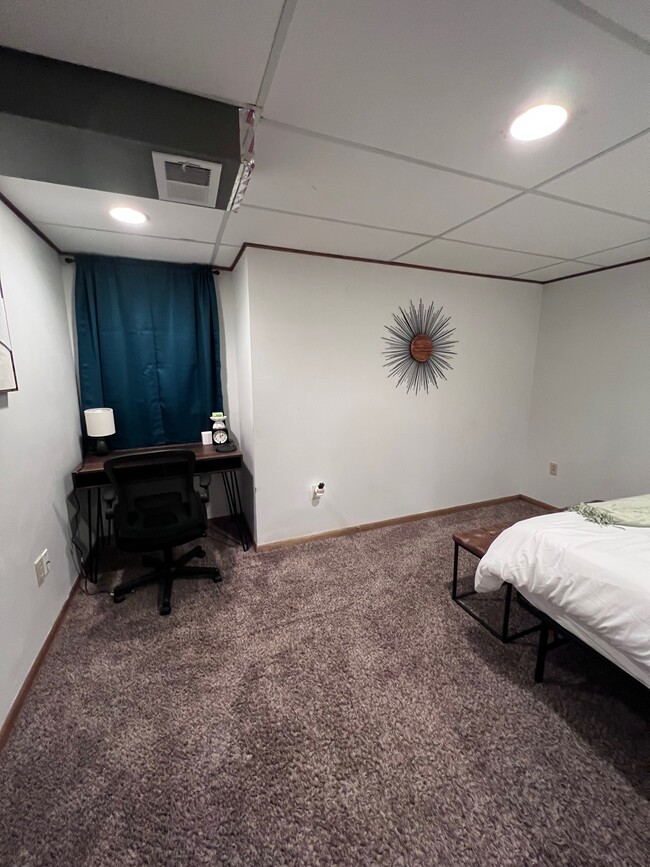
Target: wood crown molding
[
  {"x": 246, "y": 245},
  {"x": 18, "y": 213}
]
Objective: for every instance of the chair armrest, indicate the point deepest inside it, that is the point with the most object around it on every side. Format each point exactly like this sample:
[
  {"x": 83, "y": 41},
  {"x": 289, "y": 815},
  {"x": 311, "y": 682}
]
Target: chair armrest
[
  {"x": 204, "y": 484},
  {"x": 110, "y": 501}
]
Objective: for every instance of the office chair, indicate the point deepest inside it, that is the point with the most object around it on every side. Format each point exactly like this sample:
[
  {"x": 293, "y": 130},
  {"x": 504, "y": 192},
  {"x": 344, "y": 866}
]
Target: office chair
[{"x": 156, "y": 509}]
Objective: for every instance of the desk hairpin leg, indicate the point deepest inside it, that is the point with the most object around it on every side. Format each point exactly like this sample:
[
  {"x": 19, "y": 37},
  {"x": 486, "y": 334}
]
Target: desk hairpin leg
[
  {"x": 96, "y": 541},
  {"x": 231, "y": 487}
]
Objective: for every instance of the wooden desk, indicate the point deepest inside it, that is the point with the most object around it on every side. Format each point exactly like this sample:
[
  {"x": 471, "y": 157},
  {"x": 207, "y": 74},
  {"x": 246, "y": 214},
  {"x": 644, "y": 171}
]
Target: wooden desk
[
  {"x": 90, "y": 476},
  {"x": 90, "y": 472}
]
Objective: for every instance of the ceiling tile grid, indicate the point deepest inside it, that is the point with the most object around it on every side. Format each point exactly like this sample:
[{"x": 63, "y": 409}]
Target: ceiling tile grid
[
  {"x": 556, "y": 272},
  {"x": 442, "y": 81},
  {"x": 385, "y": 130},
  {"x": 536, "y": 224},
  {"x": 459, "y": 256},
  {"x": 89, "y": 209},
  {"x": 626, "y": 253},
  {"x": 632, "y": 14},
  {"x": 308, "y": 175},
  {"x": 215, "y": 48},
  {"x": 617, "y": 181},
  {"x": 328, "y": 236},
  {"x": 73, "y": 240},
  {"x": 226, "y": 255}
]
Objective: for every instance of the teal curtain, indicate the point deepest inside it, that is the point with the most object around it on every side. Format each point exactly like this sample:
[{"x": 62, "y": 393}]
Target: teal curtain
[{"x": 148, "y": 344}]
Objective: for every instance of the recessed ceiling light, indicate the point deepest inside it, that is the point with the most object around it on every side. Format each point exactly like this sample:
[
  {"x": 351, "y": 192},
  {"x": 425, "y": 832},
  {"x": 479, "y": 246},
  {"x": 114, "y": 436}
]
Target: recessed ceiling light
[
  {"x": 128, "y": 215},
  {"x": 538, "y": 122}
]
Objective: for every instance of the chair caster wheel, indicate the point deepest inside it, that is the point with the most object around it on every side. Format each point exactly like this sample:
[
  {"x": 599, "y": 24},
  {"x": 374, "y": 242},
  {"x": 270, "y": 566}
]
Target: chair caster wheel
[
  {"x": 118, "y": 597},
  {"x": 200, "y": 553},
  {"x": 165, "y": 609},
  {"x": 216, "y": 578}
]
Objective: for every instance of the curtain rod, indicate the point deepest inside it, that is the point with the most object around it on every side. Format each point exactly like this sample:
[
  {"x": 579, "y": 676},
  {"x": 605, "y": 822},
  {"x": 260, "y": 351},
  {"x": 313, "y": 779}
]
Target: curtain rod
[{"x": 70, "y": 259}]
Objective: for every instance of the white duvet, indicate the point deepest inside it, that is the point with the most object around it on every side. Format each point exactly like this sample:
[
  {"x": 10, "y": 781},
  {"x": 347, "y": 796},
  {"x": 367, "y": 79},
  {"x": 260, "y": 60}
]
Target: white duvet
[{"x": 596, "y": 577}]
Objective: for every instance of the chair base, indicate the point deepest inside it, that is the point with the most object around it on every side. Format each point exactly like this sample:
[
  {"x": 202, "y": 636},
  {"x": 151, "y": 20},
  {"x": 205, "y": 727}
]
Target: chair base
[{"x": 165, "y": 571}]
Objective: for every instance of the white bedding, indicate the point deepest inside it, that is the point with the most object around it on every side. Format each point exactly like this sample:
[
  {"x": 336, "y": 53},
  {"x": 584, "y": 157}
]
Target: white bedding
[{"x": 596, "y": 577}]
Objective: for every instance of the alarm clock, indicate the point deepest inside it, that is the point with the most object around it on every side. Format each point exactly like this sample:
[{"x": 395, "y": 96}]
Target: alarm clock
[{"x": 220, "y": 436}]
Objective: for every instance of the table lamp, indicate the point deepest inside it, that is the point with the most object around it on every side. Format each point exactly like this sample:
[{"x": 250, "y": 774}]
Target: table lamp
[{"x": 100, "y": 424}]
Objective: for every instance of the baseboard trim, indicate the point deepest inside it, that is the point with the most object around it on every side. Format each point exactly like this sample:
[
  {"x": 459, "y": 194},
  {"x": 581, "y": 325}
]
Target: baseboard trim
[
  {"x": 539, "y": 503},
  {"x": 391, "y": 522},
  {"x": 16, "y": 707}
]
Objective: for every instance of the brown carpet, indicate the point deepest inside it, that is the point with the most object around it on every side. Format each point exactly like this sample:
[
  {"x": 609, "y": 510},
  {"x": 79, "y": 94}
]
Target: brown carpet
[{"x": 325, "y": 704}]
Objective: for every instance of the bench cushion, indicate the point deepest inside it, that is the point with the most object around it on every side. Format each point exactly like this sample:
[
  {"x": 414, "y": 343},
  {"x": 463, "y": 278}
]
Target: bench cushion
[{"x": 479, "y": 540}]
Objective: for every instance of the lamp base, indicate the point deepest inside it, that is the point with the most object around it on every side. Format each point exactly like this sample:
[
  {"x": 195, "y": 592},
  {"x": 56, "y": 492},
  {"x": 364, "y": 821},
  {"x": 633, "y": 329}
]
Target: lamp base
[{"x": 101, "y": 446}]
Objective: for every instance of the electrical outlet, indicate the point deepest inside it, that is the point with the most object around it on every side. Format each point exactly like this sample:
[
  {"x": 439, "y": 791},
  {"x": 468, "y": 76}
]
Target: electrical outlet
[
  {"x": 42, "y": 567},
  {"x": 552, "y": 468}
]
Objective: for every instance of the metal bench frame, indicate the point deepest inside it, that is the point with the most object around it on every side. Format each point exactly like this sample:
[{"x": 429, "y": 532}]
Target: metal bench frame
[{"x": 458, "y": 598}]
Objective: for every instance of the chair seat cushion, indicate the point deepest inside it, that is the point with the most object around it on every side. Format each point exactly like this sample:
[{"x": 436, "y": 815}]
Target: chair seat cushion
[{"x": 479, "y": 540}]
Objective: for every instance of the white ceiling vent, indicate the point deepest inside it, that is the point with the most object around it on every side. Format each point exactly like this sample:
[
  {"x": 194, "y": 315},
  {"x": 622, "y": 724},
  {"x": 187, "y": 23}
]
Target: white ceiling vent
[{"x": 186, "y": 180}]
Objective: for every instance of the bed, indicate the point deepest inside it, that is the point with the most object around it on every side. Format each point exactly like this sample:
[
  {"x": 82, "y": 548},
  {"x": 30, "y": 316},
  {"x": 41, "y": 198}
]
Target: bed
[{"x": 591, "y": 580}]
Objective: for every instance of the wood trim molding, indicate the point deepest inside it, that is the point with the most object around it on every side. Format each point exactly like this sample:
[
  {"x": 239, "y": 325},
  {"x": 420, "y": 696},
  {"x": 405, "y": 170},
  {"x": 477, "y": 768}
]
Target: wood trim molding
[
  {"x": 247, "y": 246},
  {"x": 18, "y": 213},
  {"x": 391, "y": 522},
  {"x": 539, "y": 503},
  {"x": 597, "y": 270},
  {"x": 33, "y": 671}
]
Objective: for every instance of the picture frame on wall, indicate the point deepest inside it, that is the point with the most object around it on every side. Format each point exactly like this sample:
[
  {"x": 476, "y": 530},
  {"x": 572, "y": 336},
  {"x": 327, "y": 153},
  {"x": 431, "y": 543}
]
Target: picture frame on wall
[{"x": 8, "y": 380}]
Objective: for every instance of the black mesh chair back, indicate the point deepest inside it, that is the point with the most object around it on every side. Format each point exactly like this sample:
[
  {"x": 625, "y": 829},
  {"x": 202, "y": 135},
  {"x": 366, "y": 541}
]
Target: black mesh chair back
[
  {"x": 156, "y": 499},
  {"x": 156, "y": 509}
]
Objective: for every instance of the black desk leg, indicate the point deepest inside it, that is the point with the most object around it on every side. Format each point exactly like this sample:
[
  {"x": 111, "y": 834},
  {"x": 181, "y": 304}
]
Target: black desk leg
[
  {"x": 506, "y": 613},
  {"x": 231, "y": 486},
  {"x": 98, "y": 540},
  {"x": 542, "y": 647},
  {"x": 454, "y": 582}
]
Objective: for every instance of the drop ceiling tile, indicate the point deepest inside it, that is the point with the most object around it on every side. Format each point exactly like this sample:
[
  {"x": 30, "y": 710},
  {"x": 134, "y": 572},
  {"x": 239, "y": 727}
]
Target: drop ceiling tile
[
  {"x": 632, "y": 14},
  {"x": 626, "y": 253},
  {"x": 226, "y": 255},
  {"x": 307, "y": 233},
  {"x": 442, "y": 81},
  {"x": 307, "y": 175},
  {"x": 469, "y": 257},
  {"x": 562, "y": 269},
  {"x": 72, "y": 240},
  {"x": 545, "y": 226},
  {"x": 214, "y": 48},
  {"x": 88, "y": 209},
  {"x": 619, "y": 180}
]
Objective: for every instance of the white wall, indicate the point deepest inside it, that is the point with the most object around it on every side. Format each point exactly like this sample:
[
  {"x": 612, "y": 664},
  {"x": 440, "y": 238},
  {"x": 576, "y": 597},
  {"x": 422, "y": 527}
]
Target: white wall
[
  {"x": 326, "y": 411},
  {"x": 235, "y": 287},
  {"x": 39, "y": 447},
  {"x": 590, "y": 410}
]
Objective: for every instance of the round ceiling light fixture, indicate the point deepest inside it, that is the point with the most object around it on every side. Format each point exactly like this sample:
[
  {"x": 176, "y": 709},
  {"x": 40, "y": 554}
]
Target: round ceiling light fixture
[
  {"x": 125, "y": 214},
  {"x": 538, "y": 122}
]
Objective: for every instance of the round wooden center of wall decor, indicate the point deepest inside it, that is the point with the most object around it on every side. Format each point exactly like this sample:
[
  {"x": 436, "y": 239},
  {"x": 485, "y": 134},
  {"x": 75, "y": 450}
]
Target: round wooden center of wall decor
[{"x": 421, "y": 348}]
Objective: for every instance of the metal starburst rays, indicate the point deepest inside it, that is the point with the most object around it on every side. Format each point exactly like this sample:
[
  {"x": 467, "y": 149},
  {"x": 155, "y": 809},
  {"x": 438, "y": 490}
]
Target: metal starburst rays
[{"x": 420, "y": 346}]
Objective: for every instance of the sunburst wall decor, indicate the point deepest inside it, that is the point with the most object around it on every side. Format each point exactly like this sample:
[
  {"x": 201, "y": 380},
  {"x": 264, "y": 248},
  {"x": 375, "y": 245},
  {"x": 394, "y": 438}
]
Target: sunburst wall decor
[{"x": 420, "y": 346}]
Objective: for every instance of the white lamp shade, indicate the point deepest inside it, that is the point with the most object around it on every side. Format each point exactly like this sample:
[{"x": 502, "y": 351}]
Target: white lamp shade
[{"x": 100, "y": 422}]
